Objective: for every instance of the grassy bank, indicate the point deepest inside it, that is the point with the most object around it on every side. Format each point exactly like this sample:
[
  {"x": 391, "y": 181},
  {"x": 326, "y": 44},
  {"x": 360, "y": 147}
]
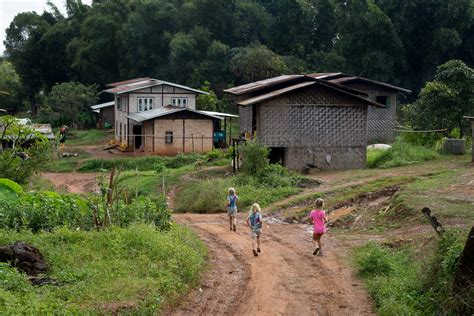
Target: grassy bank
[
  {"x": 134, "y": 270},
  {"x": 414, "y": 280},
  {"x": 401, "y": 153}
]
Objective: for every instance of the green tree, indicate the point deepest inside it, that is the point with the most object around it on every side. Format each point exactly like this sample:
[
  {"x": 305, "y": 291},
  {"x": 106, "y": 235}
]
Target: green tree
[
  {"x": 256, "y": 62},
  {"x": 25, "y": 151},
  {"x": 9, "y": 83},
  {"x": 207, "y": 102},
  {"x": 24, "y": 49},
  {"x": 255, "y": 157},
  {"x": 442, "y": 103},
  {"x": 72, "y": 101}
]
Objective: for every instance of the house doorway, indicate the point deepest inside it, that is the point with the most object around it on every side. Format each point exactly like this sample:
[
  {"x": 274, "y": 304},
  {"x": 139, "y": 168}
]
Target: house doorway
[
  {"x": 137, "y": 133},
  {"x": 277, "y": 155}
]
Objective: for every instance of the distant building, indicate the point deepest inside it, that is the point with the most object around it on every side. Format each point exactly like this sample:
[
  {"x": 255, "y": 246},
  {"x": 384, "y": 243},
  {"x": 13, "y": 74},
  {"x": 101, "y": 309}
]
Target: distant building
[
  {"x": 314, "y": 120},
  {"x": 160, "y": 117}
]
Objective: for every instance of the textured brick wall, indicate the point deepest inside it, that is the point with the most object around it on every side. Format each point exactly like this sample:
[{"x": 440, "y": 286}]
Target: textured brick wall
[
  {"x": 316, "y": 126},
  {"x": 197, "y": 132}
]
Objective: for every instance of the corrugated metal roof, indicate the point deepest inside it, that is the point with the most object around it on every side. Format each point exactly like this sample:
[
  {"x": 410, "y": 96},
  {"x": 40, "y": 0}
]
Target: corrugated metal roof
[
  {"x": 339, "y": 77},
  {"x": 220, "y": 114},
  {"x": 275, "y": 93},
  {"x": 147, "y": 83},
  {"x": 121, "y": 83},
  {"x": 257, "y": 85},
  {"x": 279, "y": 92},
  {"x": 102, "y": 105},
  {"x": 163, "y": 111},
  {"x": 471, "y": 118}
]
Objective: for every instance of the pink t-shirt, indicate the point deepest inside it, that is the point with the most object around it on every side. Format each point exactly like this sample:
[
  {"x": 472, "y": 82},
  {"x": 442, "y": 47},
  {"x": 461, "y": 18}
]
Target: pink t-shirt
[{"x": 318, "y": 220}]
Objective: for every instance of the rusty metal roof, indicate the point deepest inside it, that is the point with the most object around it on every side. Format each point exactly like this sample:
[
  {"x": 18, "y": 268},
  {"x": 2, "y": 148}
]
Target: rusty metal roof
[
  {"x": 134, "y": 85},
  {"x": 163, "y": 111},
  {"x": 339, "y": 77},
  {"x": 261, "y": 84},
  {"x": 120, "y": 83},
  {"x": 275, "y": 93}
]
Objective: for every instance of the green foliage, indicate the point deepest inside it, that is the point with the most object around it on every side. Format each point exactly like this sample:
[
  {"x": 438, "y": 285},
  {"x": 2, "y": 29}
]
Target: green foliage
[
  {"x": 207, "y": 102},
  {"x": 256, "y": 62},
  {"x": 400, "y": 154},
  {"x": 442, "y": 103},
  {"x": 8, "y": 184},
  {"x": 255, "y": 157},
  {"x": 10, "y": 87},
  {"x": 137, "y": 267},
  {"x": 11, "y": 279},
  {"x": 455, "y": 133},
  {"x": 26, "y": 150},
  {"x": 401, "y": 283},
  {"x": 71, "y": 101},
  {"x": 45, "y": 211}
]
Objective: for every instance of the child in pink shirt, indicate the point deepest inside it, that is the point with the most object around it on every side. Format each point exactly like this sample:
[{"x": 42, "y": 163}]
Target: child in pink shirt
[{"x": 319, "y": 219}]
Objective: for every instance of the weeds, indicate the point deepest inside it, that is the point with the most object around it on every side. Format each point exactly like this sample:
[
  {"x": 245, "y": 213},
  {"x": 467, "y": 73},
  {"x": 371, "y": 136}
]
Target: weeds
[
  {"x": 401, "y": 153},
  {"x": 404, "y": 284},
  {"x": 137, "y": 268}
]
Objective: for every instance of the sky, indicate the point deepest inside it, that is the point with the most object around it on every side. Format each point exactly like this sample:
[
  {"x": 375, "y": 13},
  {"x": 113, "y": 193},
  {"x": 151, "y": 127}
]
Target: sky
[{"x": 10, "y": 8}]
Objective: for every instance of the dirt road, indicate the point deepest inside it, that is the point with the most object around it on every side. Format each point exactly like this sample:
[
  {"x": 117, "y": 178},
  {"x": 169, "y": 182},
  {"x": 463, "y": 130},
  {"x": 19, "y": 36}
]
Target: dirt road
[
  {"x": 286, "y": 279},
  {"x": 73, "y": 182}
]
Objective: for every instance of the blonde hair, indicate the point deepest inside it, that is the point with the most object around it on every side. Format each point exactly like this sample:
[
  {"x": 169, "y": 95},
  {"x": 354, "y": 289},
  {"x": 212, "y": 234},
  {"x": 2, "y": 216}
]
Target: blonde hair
[
  {"x": 255, "y": 207},
  {"x": 231, "y": 191},
  {"x": 319, "y": 202}
]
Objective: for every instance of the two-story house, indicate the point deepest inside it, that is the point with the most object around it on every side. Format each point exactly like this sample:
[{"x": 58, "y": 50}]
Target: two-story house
[{"x": 160, "y": 117}]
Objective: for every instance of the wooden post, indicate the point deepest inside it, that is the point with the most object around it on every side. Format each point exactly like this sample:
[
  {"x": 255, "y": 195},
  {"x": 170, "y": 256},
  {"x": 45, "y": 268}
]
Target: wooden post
[
  {"x": 230, "y": 130},
  {"x": 192, "y": 137},
  {"x": 202, "y": 143}
]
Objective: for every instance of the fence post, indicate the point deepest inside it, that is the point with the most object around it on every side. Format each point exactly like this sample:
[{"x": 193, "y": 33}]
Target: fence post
[{"x": 192, "y": 138}]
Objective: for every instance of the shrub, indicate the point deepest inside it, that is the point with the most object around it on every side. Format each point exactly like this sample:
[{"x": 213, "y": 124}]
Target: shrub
[
  {"x": 375, "y": 262},
  {"x": 255, "y": 157}
]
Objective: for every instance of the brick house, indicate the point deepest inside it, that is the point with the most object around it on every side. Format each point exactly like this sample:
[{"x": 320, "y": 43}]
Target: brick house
[
  {"x": 160, "y": 117},
  {"x": 306, "y": 121}
]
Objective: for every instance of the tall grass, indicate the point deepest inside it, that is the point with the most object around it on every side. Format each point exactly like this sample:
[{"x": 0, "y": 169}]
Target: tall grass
[
  {"x": 402, "y": 283},
  {"x": 401, "y": 153},
  {"x": 134, "y": 270}
]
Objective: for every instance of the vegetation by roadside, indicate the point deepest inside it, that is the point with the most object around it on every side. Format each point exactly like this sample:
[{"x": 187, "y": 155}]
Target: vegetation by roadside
[
  {"x": 414, "y": 280},
  {"x": 130, "y": 270},
  {"x": 401, "y": 153}
]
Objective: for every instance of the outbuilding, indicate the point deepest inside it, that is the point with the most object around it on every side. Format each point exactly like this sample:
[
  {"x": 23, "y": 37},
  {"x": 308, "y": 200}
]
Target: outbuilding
[{"x": 306, "y": 121}]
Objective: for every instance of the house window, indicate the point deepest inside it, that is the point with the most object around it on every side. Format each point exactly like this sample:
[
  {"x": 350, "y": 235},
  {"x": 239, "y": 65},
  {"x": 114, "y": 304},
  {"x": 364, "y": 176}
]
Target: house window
[
  {"x": 145, "y": 104},
  {"x": 383, "y": 99},
  {"x": 169, "y": 138},
  {"x": 119, "y": 103},
  {"x": 182, "y": 102}
]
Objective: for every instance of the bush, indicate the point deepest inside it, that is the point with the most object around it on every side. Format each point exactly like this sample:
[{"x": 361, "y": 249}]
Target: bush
[
  {"x": 376, "y": 262},
  {"x": 45, "y": 211},
  {"x": 255, "y": 157}
]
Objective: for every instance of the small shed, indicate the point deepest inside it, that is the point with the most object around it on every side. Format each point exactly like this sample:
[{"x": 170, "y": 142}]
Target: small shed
[
  {"x": 471, "y": 118},
  {"x": 106, "y": 114}
]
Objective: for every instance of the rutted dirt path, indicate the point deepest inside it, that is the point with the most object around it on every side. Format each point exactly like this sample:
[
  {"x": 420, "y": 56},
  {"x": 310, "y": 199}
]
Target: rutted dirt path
[
  {"x": 73, "y": 182},
  {"x": 286, "y": 279}
]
